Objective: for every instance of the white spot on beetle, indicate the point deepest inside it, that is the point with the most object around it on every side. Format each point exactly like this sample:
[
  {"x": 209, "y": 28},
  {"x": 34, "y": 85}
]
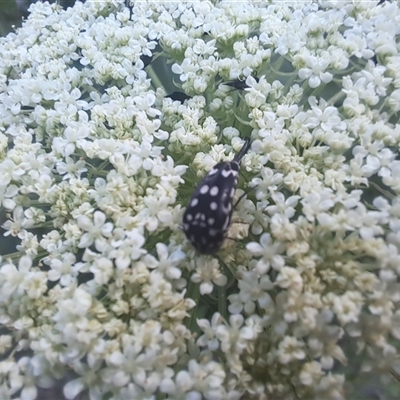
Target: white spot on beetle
[
  {"x": 213, "y": 205},
  {"x": 214, "y": 191},
  {"x": 225, "y": 173},
  {"x": 204, "y": 189},
  {"x": 194, "y": 202}
]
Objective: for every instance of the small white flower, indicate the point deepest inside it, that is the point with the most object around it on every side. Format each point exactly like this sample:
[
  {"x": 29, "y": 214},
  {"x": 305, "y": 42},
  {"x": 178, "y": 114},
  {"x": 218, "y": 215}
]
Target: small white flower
[
  {"x": 289, "y": 278},
  {"x": 290, "y": 349},
  {"x": 208, "y": 338},
  {"x": 270, "y": 253},
  {"x": 348, "y": 306},
  {"x": 15, "y": 279},
  {"x": 253, "y": 291},
  {"x": 18, "y": 222},
  {"x": 166, "y": 263},
  {"x": 311, "y": 373},
  {"x": 315, "y": 71},
  {"x": 153, "y": 212},
  {"x": 267, "y": 184},
  {"x": 96, "y": 231},
  {"x": 74, "y": 134},
  {"x": 36, "y": 285},
  {"x": 394, "y": 100},
  {"x": 208, "y": 273},
  {"x": 317, "y": 202},
  {"x": 70, "y": 168},
  {"x": 282, "y": 205},
  {"x": 102, "y": 268}
]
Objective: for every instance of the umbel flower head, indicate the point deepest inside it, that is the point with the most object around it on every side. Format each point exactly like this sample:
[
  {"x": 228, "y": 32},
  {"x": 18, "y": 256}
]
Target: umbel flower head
[{"x": 110, "y": 116}]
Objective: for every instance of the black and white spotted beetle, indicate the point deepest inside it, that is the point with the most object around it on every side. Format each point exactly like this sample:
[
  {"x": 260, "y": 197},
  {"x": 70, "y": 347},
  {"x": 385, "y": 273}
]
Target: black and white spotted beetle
[{"x": 208, "y": 214}]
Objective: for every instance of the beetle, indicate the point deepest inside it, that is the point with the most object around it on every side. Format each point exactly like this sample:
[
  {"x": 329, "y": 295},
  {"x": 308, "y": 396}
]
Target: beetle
[{"x": 208, "y": 215}]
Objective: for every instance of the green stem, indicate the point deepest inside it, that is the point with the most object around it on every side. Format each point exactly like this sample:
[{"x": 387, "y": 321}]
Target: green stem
[
  {"x": 194, "y": 293},
  {"x": 222, "y": 302}
]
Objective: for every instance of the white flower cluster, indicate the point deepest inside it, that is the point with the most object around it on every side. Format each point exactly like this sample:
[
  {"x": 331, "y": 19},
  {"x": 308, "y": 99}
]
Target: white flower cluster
[{"x": 97, "y": 279}]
